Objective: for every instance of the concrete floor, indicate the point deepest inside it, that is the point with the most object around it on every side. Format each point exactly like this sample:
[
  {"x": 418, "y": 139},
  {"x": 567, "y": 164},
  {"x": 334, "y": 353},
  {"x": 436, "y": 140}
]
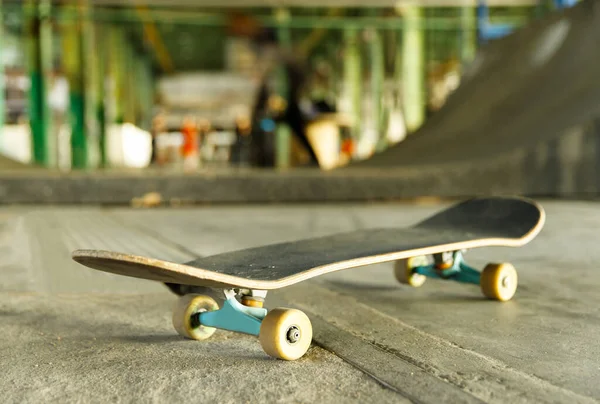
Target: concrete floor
[{"x": 71, "y": 334}]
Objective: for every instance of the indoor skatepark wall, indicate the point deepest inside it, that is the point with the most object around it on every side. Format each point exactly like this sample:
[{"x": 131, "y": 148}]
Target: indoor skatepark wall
[{"x": 526, "y": 115}]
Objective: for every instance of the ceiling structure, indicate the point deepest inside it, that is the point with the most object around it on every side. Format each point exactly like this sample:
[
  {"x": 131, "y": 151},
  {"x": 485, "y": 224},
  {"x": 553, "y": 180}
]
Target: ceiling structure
[{"x": 192, "y": 34}]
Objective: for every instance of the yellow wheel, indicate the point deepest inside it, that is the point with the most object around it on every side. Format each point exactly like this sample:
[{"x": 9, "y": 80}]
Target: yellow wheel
[
  {"x": 183, "y": 320},
  {"x": 285, "y": 333},
  {"x": 404, "y": 274},
  {"x": 499, "y": 281}
]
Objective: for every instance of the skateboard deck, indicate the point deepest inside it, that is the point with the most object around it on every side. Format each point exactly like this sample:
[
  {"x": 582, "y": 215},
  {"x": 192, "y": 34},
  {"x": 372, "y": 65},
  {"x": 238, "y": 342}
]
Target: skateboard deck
[{"x": 478, "y": 222}]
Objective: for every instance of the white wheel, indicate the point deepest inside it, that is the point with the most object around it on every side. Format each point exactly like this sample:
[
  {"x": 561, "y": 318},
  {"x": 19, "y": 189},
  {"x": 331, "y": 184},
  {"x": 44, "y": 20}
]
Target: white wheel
[
  {"x": 183, "y": 313},
  {"x": 285, "y": 333},
  {"x": 499, "y": 281},
  {"x": 403, "y": 271}
]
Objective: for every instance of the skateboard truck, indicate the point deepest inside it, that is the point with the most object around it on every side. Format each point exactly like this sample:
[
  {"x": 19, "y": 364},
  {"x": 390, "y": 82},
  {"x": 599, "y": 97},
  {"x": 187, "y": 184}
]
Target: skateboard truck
[
  {"x": 497, "y": 281},
  {"x": 283, "y": 333},
  {"x": 233, "y": 316}
]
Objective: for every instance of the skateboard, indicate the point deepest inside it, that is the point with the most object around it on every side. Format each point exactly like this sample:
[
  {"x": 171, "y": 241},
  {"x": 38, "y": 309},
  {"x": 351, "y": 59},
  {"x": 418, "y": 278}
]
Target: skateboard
[{"x": 432, "y": 248}]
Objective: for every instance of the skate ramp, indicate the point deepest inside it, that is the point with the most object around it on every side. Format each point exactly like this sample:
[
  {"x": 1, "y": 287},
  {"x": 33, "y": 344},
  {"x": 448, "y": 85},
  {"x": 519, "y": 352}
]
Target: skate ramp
[{"x": 528, "y": 105}]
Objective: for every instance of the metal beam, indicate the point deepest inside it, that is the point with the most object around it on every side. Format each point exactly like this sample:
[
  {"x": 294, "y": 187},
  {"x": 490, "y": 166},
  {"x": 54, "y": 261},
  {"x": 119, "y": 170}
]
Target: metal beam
[
  {"x": 311, "y": 3},
  {"x": 207, "y": 18},
  {"x": 317, "y": 35},
  {"x": 154, "y": 37}
]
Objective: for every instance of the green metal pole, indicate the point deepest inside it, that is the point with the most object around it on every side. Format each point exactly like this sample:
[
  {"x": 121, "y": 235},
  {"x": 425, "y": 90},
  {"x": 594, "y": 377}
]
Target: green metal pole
[
  {"x": 129, "y": 85},
  {"x": 412, "y": 62},
  {"x": 47, "y": 65},
  {"x": 469, "y": 34},
  {"x": 115, "y": 73},
  {"x": 377, "y": 79},
  {"x": 283, "y": 132},
  {"x": 48, "y": 71},
  {"x": 145, "y": 91},
  {"x": 99, "y": 110},
  {"x": 113, "y": 95},
  {"x": 397, "y": 131},
  {"x": 74, "y": 68},
  {"x": 353, "y": 81},
  {"x": 90, "y": 64},
  {"x": 138, "y": 72},
  {"x": 39, "y": 62},
  {"x": 2, "y": 77}
]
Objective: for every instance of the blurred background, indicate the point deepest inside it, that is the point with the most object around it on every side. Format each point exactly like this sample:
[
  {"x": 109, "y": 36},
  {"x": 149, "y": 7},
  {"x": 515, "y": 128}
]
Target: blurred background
[{"x": 187, "y": 86}]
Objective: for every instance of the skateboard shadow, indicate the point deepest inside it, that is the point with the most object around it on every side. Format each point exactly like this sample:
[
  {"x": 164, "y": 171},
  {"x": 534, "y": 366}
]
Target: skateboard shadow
[
  {"x": 7, "y": 313},
  {"x": 149, "y": 339},
  {"x": 359, "y": 286},
  {"x": 402, "y": 292}
]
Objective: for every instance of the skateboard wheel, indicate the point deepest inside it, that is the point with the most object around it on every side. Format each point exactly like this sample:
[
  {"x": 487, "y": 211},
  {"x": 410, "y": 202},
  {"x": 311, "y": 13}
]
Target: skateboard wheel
[
  {"x": 285, "y": 333},
  {"x": 403, "y": 269},
  {"x": 186, "y": 307},
  {"x": 499, "y": 281}
]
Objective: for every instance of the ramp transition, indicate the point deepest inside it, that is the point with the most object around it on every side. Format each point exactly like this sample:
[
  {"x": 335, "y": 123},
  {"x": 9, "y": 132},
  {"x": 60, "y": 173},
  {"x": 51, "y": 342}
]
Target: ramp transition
[{"x": 529, "y": 105}]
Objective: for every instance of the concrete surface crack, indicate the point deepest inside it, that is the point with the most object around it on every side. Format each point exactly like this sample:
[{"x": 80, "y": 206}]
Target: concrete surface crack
[
  {"x": 368, "y": 339},
  {"x": 389, "y": 370}
]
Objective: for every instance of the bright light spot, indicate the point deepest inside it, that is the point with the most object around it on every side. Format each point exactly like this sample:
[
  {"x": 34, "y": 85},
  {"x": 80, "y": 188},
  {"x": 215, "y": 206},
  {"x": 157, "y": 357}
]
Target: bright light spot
[{"x": 550, "y": 42}]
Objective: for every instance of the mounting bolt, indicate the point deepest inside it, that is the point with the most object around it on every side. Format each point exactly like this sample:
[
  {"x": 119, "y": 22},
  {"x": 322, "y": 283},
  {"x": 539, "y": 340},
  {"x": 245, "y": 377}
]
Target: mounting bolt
[
  {"x": 293, "y": 334},
  {"x": 253, "y": 301}
]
